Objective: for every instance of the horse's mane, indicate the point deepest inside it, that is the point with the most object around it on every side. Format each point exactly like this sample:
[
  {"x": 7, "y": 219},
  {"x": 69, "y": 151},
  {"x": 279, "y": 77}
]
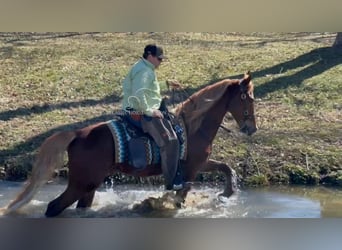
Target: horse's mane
[{"x": 193, "y": 109}]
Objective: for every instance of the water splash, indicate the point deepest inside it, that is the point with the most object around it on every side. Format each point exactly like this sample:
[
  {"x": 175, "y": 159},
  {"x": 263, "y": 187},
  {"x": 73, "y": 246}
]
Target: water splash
[{"x": 131, "y": 201}]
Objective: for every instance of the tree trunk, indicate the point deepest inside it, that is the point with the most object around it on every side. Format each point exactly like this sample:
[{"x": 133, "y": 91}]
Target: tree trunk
[{"x": 338, "y": 40}]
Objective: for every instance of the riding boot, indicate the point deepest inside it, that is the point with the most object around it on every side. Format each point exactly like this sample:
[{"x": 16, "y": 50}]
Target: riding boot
[
  {"x": 166, "y": 138},
  {"x": 169, "y": 163},
  {"x": 178, "y": 180}
]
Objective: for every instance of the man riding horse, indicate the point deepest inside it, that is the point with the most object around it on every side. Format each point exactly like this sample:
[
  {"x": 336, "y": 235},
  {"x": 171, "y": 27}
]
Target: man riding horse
[
  {"x": 92, "y": 150},
  {"x": 142, "y": 101}
]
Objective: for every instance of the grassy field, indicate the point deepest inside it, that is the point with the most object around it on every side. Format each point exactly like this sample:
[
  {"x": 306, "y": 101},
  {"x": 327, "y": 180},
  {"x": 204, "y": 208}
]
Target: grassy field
[{"x": 57, "y": 81}]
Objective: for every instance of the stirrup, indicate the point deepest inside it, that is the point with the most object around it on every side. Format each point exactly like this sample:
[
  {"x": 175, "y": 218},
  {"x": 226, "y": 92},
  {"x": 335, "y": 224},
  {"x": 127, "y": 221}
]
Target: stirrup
[
  {"x": 174, "y": 187},
  {"x": 177, "y": 187}
]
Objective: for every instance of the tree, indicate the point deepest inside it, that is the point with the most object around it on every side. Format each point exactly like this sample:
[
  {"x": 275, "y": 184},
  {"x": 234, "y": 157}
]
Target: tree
[{"x": 338, "y": 40}]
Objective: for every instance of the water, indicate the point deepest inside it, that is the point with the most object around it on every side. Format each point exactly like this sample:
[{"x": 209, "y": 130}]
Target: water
[{"x": 202, "y": 202}]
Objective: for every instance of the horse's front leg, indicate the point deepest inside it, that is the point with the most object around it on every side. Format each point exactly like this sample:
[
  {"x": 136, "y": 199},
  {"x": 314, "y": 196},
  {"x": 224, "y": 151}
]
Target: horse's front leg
[
  {"x": 181, "y": 195},
  {"x": 231, "y": 183}
]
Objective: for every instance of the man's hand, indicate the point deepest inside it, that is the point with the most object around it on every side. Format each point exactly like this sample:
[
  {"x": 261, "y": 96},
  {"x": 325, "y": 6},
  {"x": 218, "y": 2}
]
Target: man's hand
[
  {"x": 173, "y": 84},
  {"x": 157, "y": 113}
]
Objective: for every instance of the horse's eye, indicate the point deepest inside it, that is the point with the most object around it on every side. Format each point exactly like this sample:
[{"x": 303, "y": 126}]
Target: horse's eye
[
  {"x": 245, "y": 113},
  {"x": 243, "y": 96}
]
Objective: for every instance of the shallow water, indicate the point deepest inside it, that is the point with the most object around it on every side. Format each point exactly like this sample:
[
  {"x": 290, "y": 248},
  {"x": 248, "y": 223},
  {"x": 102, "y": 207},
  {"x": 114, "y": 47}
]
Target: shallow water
[{"x": 202, "y": 202}]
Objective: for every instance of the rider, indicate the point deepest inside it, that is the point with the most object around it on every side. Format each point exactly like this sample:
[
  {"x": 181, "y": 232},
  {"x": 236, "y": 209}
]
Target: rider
[{"x": 142, "y": 99}]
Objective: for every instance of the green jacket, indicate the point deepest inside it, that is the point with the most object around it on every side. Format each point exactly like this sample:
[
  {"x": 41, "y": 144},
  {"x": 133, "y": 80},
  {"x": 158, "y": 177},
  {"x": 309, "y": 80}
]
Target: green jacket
[{"x": 141, "y": 90}]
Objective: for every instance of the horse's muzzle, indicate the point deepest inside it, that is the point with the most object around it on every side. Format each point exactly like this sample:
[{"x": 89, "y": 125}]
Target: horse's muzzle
[{"x": 248, "y": 130}]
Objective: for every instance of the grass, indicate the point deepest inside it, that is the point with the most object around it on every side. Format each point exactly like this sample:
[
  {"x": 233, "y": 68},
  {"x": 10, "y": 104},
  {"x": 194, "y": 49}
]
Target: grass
[{"x": 57, "y": 81}]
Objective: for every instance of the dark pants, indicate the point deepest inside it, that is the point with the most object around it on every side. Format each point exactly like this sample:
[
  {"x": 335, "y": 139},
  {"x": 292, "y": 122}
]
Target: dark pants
[{"x": 166, "y": 138}]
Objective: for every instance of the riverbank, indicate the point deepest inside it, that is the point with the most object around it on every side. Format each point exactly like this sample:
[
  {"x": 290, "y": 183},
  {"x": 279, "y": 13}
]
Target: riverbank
[{"x": 57, "y": 81}]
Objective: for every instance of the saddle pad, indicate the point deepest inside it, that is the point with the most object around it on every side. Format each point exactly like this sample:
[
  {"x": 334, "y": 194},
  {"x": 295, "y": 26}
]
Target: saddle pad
[{"x": 121, "y": 137}]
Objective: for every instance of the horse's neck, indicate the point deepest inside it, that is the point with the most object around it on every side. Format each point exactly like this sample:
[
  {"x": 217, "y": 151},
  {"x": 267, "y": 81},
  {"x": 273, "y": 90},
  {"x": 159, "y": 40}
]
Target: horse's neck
[
  {"x": 212, "y": 121},
  {"x": 204, "y": 112}
]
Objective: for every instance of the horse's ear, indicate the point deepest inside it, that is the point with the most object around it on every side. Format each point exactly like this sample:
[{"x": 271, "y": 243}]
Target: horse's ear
[
  {"x": 244, "y": 82},
  {"x": 247, "y": 77}
]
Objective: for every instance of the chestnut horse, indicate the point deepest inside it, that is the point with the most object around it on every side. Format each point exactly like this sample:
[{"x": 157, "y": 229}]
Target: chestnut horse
[{"x": 90, "y": 149}]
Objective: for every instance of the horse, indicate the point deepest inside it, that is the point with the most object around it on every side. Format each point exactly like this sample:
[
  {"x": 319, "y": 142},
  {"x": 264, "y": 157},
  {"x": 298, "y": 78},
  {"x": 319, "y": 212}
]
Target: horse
[{"x": 91, "y": 158}]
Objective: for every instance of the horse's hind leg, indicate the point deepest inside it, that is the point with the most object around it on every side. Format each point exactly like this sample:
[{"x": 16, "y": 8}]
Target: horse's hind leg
[
  {"x": 86, "y": 200},
  {"x": 230, "y": 186},
  {"x": 67, "y": 198}
]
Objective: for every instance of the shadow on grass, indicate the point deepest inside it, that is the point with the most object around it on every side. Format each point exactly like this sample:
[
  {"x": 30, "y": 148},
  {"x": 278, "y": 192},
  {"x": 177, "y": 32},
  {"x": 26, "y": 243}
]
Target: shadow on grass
[
  {"x": 36, "y": 109},
  {"x": 313, "y": 63}
]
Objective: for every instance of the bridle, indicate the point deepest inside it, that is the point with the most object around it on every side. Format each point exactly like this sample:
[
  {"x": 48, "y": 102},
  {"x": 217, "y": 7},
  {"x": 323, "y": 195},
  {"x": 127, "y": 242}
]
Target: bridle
[{"x": 243, "y": 96}]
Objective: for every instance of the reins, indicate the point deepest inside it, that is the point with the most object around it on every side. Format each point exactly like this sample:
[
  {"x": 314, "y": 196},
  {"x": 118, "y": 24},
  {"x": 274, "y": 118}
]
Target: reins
[{"x": 188, "y": 96}]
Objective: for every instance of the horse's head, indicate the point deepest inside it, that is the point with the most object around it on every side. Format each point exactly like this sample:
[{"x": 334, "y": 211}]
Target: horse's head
[{"x": 242, "y": 105}]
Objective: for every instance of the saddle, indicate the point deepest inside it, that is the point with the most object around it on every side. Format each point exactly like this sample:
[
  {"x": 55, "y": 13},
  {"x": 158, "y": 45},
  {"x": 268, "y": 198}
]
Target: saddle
[{"x": 137, "y": 148}]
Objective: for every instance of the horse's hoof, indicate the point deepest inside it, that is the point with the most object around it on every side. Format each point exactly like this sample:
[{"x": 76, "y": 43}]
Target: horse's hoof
[
  {"x": 178, "y": 205},
  {"x": 222, "y": 198},
  {"x": 178, "y": 201},
  {"x": 227, "y": 194}
]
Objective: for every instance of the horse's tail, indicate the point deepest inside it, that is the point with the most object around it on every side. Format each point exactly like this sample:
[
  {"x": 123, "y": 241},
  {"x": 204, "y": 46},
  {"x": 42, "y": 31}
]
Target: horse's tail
[{"x": 50, "y": 157}]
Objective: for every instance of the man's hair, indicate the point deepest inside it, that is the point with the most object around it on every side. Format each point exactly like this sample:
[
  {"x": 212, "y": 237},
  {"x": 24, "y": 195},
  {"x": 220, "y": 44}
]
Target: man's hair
[{"x": 154, "y": 50}]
